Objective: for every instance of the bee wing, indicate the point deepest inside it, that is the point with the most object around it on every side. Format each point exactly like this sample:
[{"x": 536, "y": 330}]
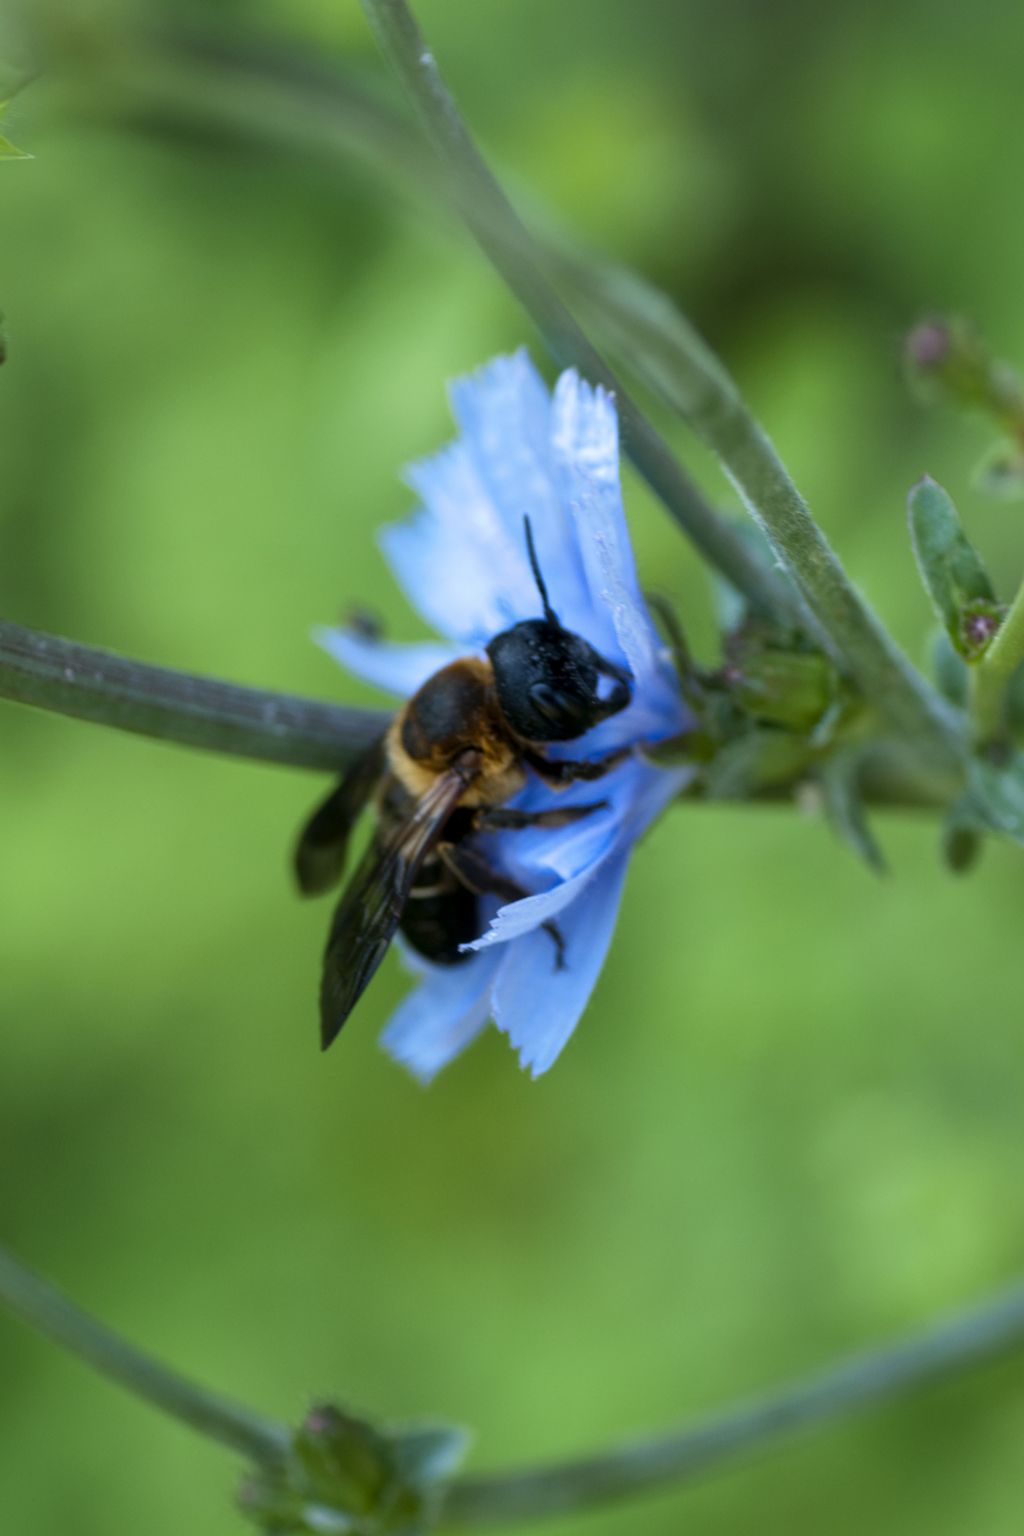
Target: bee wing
[
  {"x": 323, "y": 841},
  {"x": 371, "y": 907}
]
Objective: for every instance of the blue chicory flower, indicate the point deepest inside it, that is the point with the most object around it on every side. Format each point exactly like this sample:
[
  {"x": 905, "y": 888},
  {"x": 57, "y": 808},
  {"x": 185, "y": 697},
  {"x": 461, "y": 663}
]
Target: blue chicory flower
[{"x": 463, "y": 562}]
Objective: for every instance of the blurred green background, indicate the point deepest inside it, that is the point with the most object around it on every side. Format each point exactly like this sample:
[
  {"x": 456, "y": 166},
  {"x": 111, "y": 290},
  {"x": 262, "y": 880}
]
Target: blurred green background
[{"x": 790, "y": 1123}]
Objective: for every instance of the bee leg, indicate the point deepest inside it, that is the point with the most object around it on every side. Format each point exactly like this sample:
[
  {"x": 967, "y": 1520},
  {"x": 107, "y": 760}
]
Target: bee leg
[
  {"x": 480, "y": 877},
  {"x": 500, "y": 819},
  {"x": 570, "y": 771}
]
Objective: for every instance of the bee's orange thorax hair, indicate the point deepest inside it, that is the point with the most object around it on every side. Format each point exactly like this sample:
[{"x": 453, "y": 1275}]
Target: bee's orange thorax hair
[{"x": 456, "y": 709}]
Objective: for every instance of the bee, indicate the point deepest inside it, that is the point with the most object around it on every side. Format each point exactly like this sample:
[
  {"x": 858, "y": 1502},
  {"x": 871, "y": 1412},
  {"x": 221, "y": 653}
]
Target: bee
[{"x": 442, "y": 773}]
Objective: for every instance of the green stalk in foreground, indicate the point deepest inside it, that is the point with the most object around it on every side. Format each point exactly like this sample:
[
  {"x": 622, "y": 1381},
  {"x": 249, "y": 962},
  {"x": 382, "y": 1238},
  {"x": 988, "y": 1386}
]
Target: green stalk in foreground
[
  {"x": 964, "y": 1342},
  {"x": 210, "y": 715},
  {"x": 202, "y": 712}
]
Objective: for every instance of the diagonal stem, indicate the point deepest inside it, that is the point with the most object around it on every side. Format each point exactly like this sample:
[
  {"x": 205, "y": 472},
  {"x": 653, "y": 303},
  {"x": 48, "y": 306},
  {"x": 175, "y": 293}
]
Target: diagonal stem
[
  {"x": 835, "y": 613},
  {"x": 51, "y": 1313},
  {"x": 91, "y": 684},
  {"x": 504, "y": 239}
]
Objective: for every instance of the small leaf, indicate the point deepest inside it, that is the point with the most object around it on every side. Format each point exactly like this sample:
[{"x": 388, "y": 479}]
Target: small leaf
[
  {"x": 429, "y": 1453},
  {"x": 838, "y": 777},
  {"x": 961, "y": 837},
  {"x": 9, "y": 151},
  {"x": 1000, "y": 472},
  {"x": 784, "y": 687},
  {"x": 757, "y": 760},
  {"x": 956, "y": 581},
  {"x": 994, "y": 800}
]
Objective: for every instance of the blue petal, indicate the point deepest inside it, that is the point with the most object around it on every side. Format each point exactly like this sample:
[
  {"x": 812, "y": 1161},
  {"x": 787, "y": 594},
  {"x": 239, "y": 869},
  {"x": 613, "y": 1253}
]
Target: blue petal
[
  {"x": 443, "y": 1015},
  {"x": 455, "y": 558},
  {"x": 397, "y": 669},
  {"x": 520, "y": 918},
  {"x": 538, "y": 1006},
  {"x": 504, "y": 411},
  {"x": 586, "y": 452},
  {"x": 636, "y": 792}
]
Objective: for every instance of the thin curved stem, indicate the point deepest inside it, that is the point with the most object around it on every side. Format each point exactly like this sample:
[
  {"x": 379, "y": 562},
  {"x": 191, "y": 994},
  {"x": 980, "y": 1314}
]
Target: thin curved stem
[
  {"x": 504, "y": 239},
  {"x": 964, "y": 1342},
  {"x": 90, "y": 684},
  {"x": 218, "y": 1418}
]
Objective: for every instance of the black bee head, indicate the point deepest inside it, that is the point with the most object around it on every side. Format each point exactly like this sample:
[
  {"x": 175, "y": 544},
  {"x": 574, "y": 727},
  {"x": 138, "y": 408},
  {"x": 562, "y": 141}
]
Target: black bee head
[{"x": 548, "y": 680}]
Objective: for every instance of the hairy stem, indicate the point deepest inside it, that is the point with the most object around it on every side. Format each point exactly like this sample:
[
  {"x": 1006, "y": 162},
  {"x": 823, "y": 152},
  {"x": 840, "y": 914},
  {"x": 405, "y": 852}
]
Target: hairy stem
[
  {"x": 671, "y": 358},
  {"x": 504, "y": 239},
  {"x": 992, "y": 675},
  {"x": 52, "y": 1314},
  {"x": 96, "y": 685},
  {"x": 963, "y": 1342}
]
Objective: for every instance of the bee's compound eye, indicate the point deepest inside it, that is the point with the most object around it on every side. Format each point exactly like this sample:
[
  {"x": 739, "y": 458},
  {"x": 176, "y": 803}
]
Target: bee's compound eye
[
  {"x": 561, "y": 709},
  {"x": 549, "y": 681}
]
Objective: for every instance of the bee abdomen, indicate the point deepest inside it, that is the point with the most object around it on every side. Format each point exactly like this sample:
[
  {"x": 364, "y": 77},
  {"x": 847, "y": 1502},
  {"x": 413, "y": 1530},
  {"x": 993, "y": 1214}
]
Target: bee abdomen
[{"x": 440, "y": 915}]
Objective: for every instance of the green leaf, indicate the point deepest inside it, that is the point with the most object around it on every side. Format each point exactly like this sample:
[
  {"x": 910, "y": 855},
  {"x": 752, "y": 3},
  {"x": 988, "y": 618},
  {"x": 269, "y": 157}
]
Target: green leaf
[
  {"x": 994, "y": 800},
  {"x": 1000, "y": 471},
  {"x": 955, "y": 578},
  {"x": 9, "y": 151},
  {"x": 961, "y": 837},
  {"x": 784, "y": 687},
  {"x": 844, "y": 807},
  {"x": 427, "y": 1454},
  {"x": 757, "y": 760}
]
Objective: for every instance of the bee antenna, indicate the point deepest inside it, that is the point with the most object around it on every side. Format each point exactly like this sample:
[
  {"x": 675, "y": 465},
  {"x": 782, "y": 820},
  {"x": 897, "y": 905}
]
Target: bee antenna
[{"x": 549, "y": 612}]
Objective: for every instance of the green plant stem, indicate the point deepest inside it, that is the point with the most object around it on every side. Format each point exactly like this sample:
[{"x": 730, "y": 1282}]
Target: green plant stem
[
  {"x": 504, "y": 239},
  {"x": 91, "y": 684},
  {"x": 292, "y": 99},
  {"x": 203, "y": 712},
  {"x": 693, "y": 380},
  {"x": 664, "y": 350},
  {"x": 47, "y": 1310},
  {"x": 965, "y": 1341},
  {"x": 990, "y": 678}
]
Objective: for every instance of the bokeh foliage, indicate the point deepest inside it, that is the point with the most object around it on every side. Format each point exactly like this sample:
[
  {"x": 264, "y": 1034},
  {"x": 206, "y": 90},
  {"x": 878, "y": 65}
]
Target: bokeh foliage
[{"x": 790, "y": 1122}]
